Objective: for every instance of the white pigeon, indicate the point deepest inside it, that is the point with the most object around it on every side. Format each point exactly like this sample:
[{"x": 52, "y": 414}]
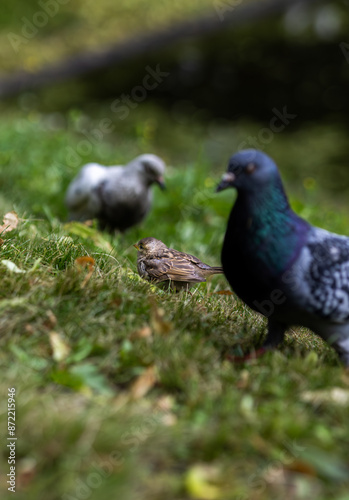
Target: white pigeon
[{"x": 118, "y": 196}]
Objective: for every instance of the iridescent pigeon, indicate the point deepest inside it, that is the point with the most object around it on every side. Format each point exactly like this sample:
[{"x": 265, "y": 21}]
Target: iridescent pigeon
[{"x": 281, "y": 266}]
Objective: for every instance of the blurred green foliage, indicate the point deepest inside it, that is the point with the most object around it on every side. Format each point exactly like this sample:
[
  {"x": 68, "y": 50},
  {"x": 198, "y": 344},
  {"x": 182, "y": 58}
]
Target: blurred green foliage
[{"x": 74, "y": 26}]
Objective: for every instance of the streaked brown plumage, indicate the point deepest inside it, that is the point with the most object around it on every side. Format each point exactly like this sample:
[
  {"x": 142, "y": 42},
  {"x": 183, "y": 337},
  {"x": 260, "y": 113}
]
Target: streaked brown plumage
[{"x": 170, "y": 268}]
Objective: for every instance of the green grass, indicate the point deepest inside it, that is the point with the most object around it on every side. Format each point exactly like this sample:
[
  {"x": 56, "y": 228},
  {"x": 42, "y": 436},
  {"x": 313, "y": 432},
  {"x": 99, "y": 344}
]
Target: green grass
[{"x": 206, "y": 428}]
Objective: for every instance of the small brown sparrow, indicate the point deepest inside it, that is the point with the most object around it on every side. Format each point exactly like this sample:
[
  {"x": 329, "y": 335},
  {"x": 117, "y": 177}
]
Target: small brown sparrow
[{"x": 170, "y": 268}]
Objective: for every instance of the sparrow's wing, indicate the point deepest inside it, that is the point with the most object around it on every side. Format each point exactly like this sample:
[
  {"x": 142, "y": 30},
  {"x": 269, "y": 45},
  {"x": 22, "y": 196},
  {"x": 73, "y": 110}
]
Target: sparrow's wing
[
  {"x": 174, "y": 269},
  {"x": 195, "y": 262}
]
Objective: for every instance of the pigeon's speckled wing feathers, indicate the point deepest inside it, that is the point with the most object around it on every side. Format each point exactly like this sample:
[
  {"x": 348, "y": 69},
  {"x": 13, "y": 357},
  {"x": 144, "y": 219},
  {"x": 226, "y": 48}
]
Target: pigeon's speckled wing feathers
[{"x": 320, "y": 277}]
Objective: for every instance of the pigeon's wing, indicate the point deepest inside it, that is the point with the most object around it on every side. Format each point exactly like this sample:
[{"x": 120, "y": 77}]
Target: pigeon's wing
[
  {"x": 125, "y": 199},
  {"x": 319, "y": 279},
  {"x": 81, "y": 198},
  {"x": 121, "y": 187},
  {"x": 178, "y": 269}
]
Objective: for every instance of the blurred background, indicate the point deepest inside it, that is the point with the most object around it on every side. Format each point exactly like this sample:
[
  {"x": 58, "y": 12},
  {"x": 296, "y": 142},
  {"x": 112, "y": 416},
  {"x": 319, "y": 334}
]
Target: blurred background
[{"x": 193, "y": 82}]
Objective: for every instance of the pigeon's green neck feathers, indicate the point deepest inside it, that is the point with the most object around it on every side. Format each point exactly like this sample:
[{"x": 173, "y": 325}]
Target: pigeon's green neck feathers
[{"x": 273, "y": 232}]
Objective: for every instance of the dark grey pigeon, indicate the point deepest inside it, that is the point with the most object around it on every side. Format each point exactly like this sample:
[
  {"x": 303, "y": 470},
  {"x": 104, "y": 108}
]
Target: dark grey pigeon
[
  {"x": 281, "y": 266},
  {"x": 118, "y": 196}
]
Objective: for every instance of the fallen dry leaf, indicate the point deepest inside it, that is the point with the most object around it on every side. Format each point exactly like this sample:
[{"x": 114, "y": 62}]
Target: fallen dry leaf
[
  {"x": 29, "y": 329},
  {"x": 224, "y": 292},
  {"x": 301, "y": 467},
  {"x": 163, "y": 407},
  {"x": 60, "y": 348},
  {"x": 85, "y": 261},
  {"x": 142, "y": 333},
  {"x": 51, "y": 320},
  {"x": 27, "y": 471},
  {"x": 165, "y": 403},
  {"x": 88, "y": 223},
  {"x": 244, "y": 380},
  {"x": 157, "y": 321},
  {"x": 143, "y": 383},
  {"x": 88, "y": 262},
  {"x": 168, "y": 419},
  {"x": 117, "y": 301},
  {"x": 10, "y": 222}
]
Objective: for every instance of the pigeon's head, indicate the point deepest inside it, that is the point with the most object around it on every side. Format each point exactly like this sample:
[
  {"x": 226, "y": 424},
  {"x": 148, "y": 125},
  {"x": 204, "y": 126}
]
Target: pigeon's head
[
  {"x": 152, "y": 168},
  {"x": 249, "y": 170},
  {"x": 149, "y": 245}
]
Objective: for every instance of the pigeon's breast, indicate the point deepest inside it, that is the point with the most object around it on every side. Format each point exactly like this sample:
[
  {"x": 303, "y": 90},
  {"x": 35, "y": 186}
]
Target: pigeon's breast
[
  {"x": 249, "y": 280},
  {"x": 255, "y": 255}
]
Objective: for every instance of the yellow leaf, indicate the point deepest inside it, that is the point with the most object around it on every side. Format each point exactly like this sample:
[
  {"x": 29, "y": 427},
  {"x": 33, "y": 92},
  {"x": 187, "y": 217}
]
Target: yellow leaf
[
  {"x": 143, "y": 383},
  {"x": 197, "y": 482},
  {"x": 60, "y": 349}
]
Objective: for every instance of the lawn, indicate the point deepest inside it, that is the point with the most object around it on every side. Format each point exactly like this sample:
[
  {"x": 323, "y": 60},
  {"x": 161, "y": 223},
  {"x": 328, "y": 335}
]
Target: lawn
[{"x": 123, "y": 390}]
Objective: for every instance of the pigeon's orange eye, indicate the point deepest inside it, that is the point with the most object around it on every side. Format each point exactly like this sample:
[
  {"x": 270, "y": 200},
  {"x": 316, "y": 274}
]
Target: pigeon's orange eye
[{"x": 251, "y": 167}]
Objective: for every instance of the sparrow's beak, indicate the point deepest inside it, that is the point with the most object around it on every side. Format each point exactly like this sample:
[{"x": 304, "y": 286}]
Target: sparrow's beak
[
  {"x": 136, "y": 246},
  {"x": 227, "y": 181},
  {"x": 161, "y": 182}
]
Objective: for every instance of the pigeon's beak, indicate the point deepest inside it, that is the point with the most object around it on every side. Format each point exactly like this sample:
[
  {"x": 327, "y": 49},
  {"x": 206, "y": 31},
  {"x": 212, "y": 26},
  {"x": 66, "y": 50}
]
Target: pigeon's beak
[
  {"x": 161, "y": 182},
  {"x": 136, "y": 246},
  {"x": 227, "y": 181}
]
